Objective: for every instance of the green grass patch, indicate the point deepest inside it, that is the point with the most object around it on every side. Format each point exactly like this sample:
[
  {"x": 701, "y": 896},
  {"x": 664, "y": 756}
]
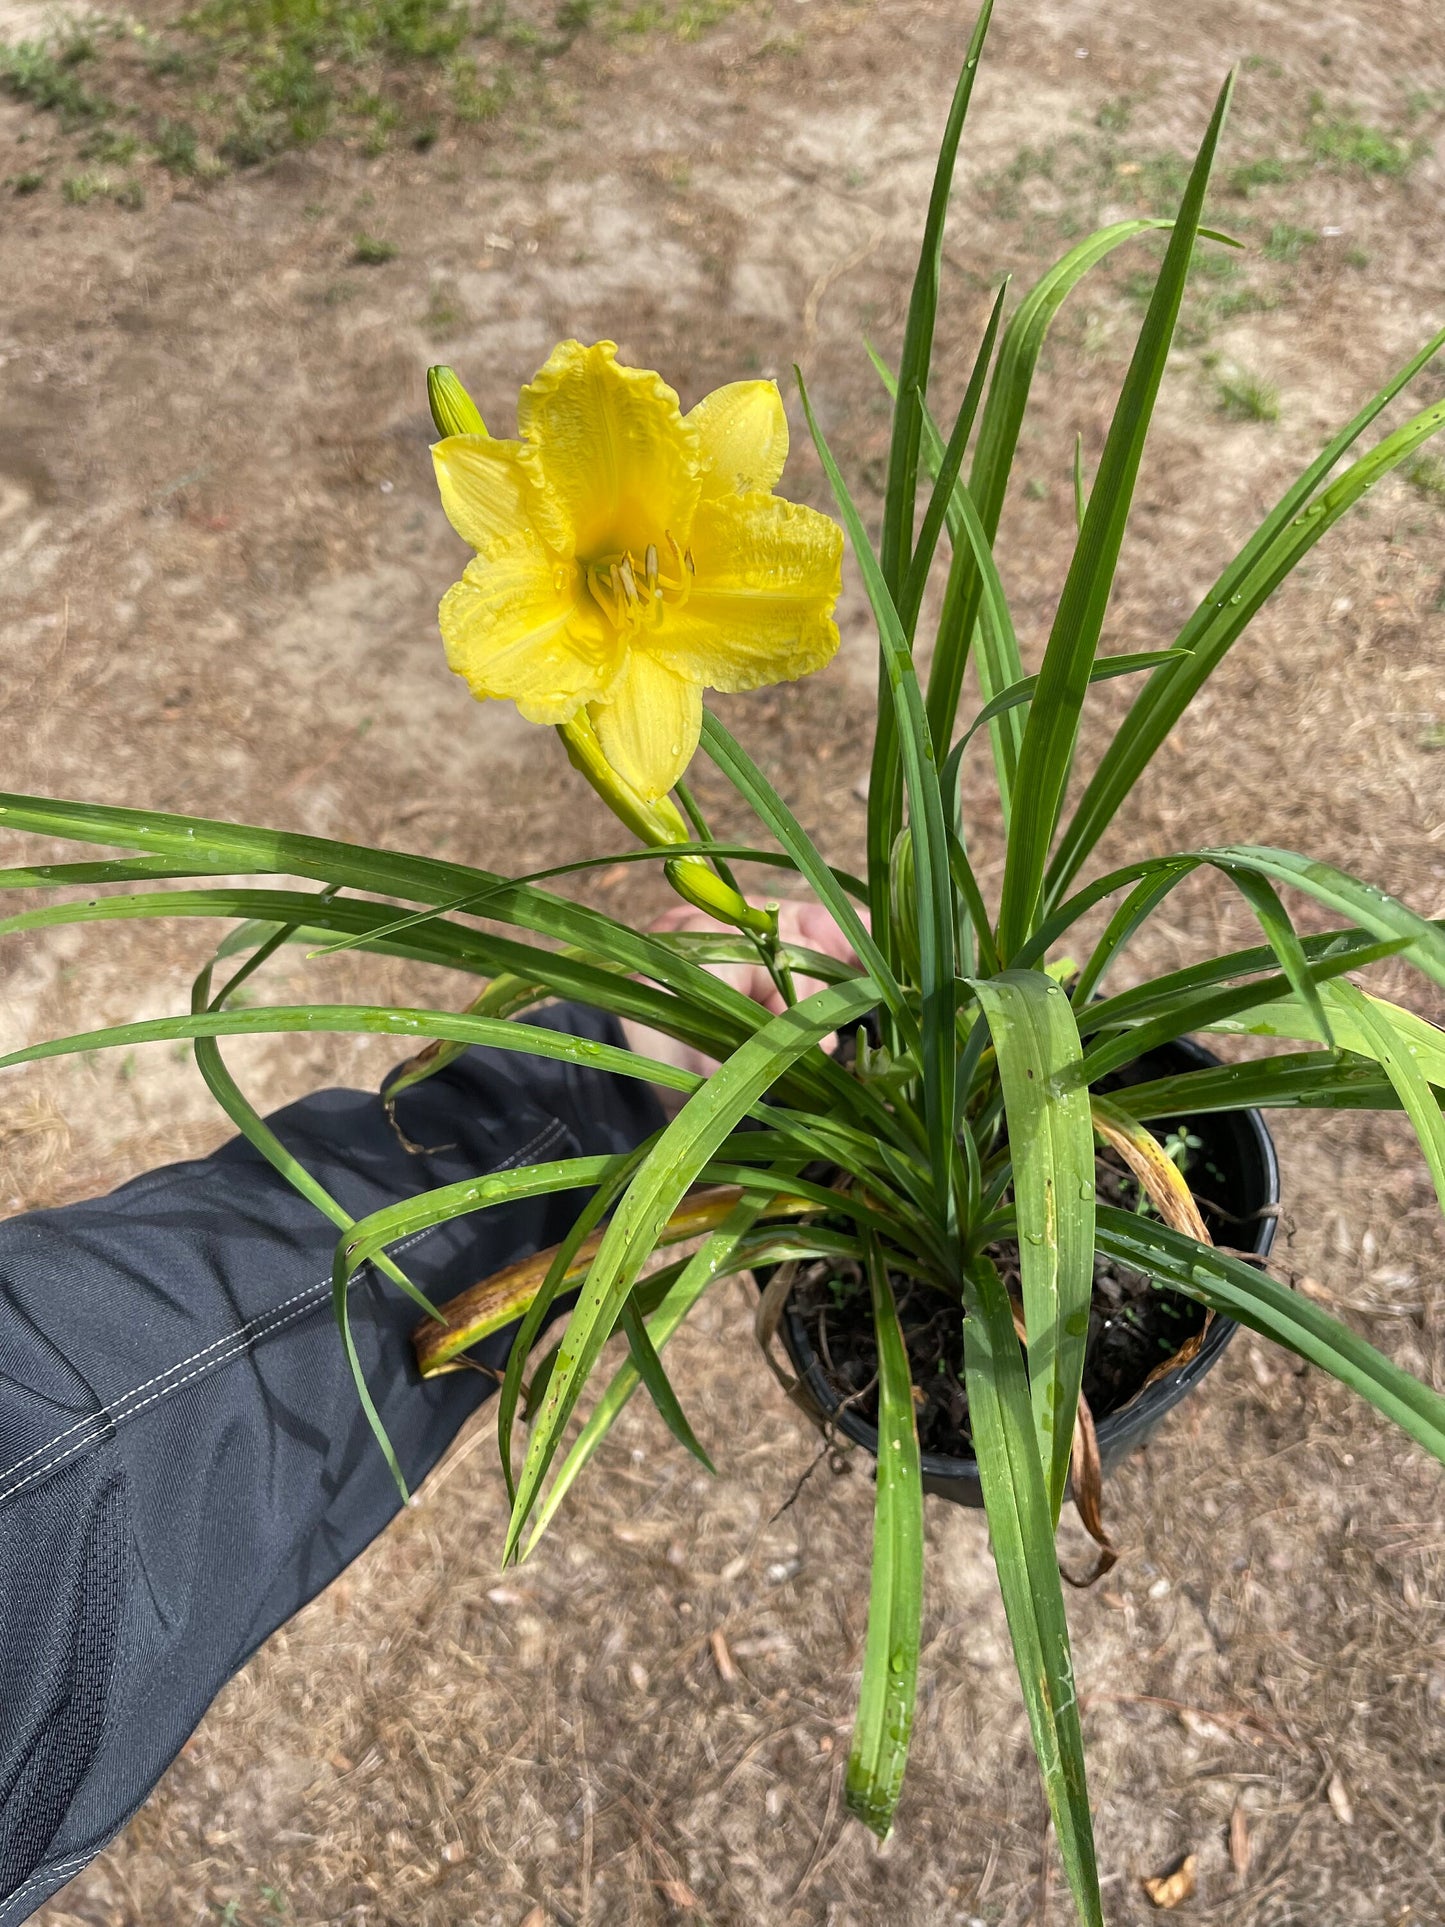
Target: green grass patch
[
  {"x": 370, "y": 251},
  {"x": 1266, "y": 170},
  {"x": 92, "y": 184},
  {"x": 1347, "y": 144},
  {"x": 1286, "y": 242},
  {"x": 47, "y": 78},
  {"x": 1244, "y": 397},
  {"x": 232, "y": 83}
]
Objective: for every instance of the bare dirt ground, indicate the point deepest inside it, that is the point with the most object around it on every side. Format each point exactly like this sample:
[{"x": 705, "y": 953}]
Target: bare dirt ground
[{"x": 221, "y": 559}]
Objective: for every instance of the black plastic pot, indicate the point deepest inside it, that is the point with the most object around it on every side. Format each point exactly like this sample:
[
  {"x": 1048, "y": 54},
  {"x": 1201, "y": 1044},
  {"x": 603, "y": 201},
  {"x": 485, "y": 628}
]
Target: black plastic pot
[{"x": 1236, "y": 1171}]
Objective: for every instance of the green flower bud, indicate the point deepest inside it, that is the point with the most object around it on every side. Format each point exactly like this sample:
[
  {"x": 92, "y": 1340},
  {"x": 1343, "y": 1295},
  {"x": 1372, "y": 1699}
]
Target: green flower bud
[
  {"x": 658, "y": 824},
  {"x": 696, "y": 884},
  {"x": 903, "y": 895},
  {"x": 452, "y": 408}
]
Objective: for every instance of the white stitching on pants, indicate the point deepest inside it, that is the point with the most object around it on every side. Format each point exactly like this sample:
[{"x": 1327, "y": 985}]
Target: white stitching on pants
[
  {"x": 62, "y": 1869},
  {"x": 98, "y": 1425}
]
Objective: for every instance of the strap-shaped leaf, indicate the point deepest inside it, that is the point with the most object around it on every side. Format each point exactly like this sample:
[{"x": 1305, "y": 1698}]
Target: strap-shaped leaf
[
  {"x": 1286, "y": 535},
  {"x": 1374, "y": 909},
  {"x": 750, "y": 783},
  {"x": 1255, "y": 1299},
  {"x": 1021, "y": 1529},
  {"x": 895, "y": 1604},
  {"x": 1003, "y": 413},
  {"x": 901, "y": 488},
  {"x": 565, "y": 973},
  {"x": 1286, "y": 1017},
  {"x": 714, "y": 1258},
  {"x": 1294, "y": 1080},
  {"x": 946, "y": 470},
  {"x": 932, "y": 871},
  {"x": 243, "y": 849},
  {"x": 1051, "y": 1152},
  {"x": 1197, "y": 1010},
  {"x": 667, "y": 1171},
  {"x": 660, "y": 1387},
  {"x": 1048, "y": 745},
  {"x": 917, "y": 356},
  {"x": 376, "y": 1019},
  {"x": 1398, "y": 1055}
]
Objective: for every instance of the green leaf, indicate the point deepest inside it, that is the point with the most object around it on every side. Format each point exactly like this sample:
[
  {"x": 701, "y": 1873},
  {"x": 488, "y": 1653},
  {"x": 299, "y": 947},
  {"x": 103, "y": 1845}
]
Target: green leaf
[
  {"x": 1398, "y": 1055},
  {"x": 1370, "y": 907},
  {"x": 565, "y": 973},
  {"x": 1049, "y": 736},
  {"x": 1051, "y": 1150},
  {"x": 1294, "y": 1080},
  {"x": 1141, "y": 902},
  {"x": 1104, "y": 669},
  {"x": 930, "y": 837},
  {"x": 243, "y": 849},
  {"x": 253, "y": 1127},
  {"x": 1255, "y": 1299},
  {"x": 1282, "y": 539},
  {"x": 383, "y": 1019},
  {"x": 611, "y": 1184},
  {"x": 713, "y": 1259},
  {"x": 1274, "y": 920},
  {"x": 1287, "y": 1017},
  {"x": 917, "y": 356},
  {"x": 1003, "y": 413},
  {"x": 670, "y": 1167},
  {"x": 901, "y": 488},
  {"x": 949, "y": 462},
  {"x": 660, "y": 1387},
  {"x": 368, "y": 1237},
  {"x": 889, "y": 1686},
  {"x": 1020, "y": 1525},
  {"x": 1196, "y": 1011},
  {"x": 745, "y": 776}
]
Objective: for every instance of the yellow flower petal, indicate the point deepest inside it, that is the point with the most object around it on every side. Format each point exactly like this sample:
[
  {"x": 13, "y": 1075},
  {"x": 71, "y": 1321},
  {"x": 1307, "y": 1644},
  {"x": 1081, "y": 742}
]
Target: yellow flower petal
[
  {"x": 648, "y": 726},
  {"x": 742, "y": 435},
  {"x": 517, "y": 626},
  {"x": 761, "y": 606},
  {"x": 614, "y": 447},
  {"x": 493, "y": 493}
]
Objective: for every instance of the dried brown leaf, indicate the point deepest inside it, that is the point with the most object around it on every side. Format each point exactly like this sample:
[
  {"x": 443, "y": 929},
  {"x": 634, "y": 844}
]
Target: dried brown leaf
[
  {"x": 1341, "y": 1804},
  {"x": 1169, "y": 1889},
  {"x": 1239, "y": 1841},
  {"x": 721, "y": 1656},
  {"x": 680, "y": 1895}
]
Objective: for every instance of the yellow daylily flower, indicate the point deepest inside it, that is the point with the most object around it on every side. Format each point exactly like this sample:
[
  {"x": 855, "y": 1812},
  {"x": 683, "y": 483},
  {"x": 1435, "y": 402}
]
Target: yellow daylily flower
[{"x": 629, "y": 556}]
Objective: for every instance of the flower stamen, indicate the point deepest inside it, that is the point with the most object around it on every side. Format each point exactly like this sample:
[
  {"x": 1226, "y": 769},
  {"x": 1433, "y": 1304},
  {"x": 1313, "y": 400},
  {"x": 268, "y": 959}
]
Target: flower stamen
[{"x": 626, "y": 601}]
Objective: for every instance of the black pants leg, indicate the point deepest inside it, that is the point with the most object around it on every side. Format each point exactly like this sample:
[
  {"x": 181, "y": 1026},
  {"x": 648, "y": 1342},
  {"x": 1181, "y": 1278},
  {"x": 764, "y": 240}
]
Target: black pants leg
[{"x": 183, "y": 1461}]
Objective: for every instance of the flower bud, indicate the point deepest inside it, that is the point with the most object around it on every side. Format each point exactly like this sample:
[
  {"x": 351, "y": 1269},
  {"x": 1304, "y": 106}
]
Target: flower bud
[
  {"x": 903, "y": 896},
  {"x": 696, "y": 884},
  {"x": 659, "y": 824},
  {"x": 452, "y": 408}
]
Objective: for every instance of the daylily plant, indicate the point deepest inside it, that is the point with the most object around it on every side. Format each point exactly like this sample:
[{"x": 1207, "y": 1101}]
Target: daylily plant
[{"x": 628, "y": 556}]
